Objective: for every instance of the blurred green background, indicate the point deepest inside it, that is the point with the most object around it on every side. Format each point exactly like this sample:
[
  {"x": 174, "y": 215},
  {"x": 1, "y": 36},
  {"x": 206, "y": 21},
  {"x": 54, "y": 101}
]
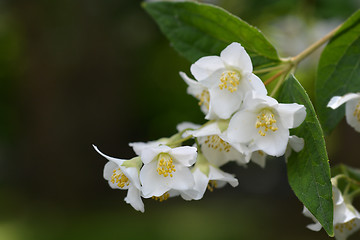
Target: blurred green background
[{"x": 76, "y": 73}]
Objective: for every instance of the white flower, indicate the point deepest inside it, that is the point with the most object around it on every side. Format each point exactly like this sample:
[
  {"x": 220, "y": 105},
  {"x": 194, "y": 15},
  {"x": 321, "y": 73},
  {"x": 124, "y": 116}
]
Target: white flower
[
  {"x": 124, "y": 174},
  {"x": 223, "y": 81},
  {"x": 207, "y": 176},
  {"x": 352, "y": 108},
  {"x": 166, "y": 168},
  {"x": 216, "y": 147},
  {"x": 346, "y": 217},
  {"x": 264, "y": 124}
]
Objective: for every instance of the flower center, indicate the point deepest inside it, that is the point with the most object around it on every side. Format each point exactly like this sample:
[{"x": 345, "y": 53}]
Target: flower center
[
  {"x": 165, "y": 165},
  {"x": 217, "y": 143},
  {"x": 211, "y": 185},
  {"x": 357, "y": 111},
  {"x": 229, "y": 80},
  {"x": 204, "y": 99},
  {"x": 162, "y": 198},
  {"x": 265, "y": 122},
  {"x": 348, "y": 225},
  {"x": 119, "y": 178}
]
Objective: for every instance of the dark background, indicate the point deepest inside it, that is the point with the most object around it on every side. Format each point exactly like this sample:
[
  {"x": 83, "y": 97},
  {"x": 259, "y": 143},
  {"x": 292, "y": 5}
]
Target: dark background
[{"x": 77, "y": 73}]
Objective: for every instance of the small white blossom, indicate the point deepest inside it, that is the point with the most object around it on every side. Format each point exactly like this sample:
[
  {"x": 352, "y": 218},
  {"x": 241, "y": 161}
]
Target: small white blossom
[
  {"x": 165, "y": 169},
  {"x": 264, "y": 124},
  {"x": 223, "y": 81},
  {"x": 207, "y": 176},
  {"x": 352, "y": 108},
  {"x": 124, "y": 175},
  {"x": 346, "y": 217}
]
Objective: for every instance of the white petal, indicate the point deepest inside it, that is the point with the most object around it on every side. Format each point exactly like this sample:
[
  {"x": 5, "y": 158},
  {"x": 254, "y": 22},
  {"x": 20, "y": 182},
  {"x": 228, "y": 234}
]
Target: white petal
[
  {"x": 337, "y": 101},
  {"x": 133, "y": 198},
  {"x": 256, "y": 101},
  {"x": 257, "y": 85},
  {"x": 132, "y": 174},
  {"x": 207, "y": 130},
  {"x": 315, "y": 226},
  {"x": 118, "y": 161},
  {"x": 296, "y": 143},
  {"x": 108, "y": 169},
  {"x": 185, "y": 155},
  {"x": 242, "y": 127},
  {"x": 214, "y": 156},
  {"x": 224, "y": 103},
  {"x": 211, "y": 115},
  {"x": 195, "y": 88},
  {"x": 274, "y": 143},
  {"x": 259, "y": 157},
  {"x": 351, "y": 116},
  {"x": 201, "y": 181},
  {"x": 206, "y": 66},
  {"x": 148, "y": 154},
  {"x": 182, "y": 179},
  {"x": 138, "y": 147},
  {"x": 235, "y": 56},
  {"x": 217, "y": 174},
  {"x": 292, "y": 115},
  {"x": 153, "y": 184},
  {"x": 337, "y": 196},
  {"x": 187, "y": 125}
]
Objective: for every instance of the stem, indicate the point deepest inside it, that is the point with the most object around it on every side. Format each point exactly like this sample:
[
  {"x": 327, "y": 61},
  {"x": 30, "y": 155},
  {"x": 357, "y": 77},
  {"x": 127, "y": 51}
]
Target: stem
[
  {"x": 295, "y": 60},
  {"x": 291, "y": 63},
  {"x": 279, "y": 83},
  {"x": 269, "y": 69},
  {"x": 180, "y": 140},
  {"x": 353, "y": 194},
  {"x": 269, "y": 80},
  {"x": 347, "y": 188}
]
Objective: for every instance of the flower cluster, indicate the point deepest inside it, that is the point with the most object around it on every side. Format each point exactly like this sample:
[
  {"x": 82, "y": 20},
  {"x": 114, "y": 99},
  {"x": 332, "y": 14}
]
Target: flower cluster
[
  {"x": 346, "y": 217},
  {"x": 244, "y": 124}
]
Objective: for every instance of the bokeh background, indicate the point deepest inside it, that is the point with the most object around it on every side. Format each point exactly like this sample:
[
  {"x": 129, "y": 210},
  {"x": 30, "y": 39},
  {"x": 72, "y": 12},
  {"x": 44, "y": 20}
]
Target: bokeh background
[{"x": 77, "y": 73}]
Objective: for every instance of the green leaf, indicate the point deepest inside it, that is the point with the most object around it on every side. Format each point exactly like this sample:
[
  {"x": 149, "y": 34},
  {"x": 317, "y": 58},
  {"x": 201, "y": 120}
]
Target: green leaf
[
  {"x": 196, "y": 30},
  {"x": 308, "y": 170},
  {"x": 338, "y": 71}
]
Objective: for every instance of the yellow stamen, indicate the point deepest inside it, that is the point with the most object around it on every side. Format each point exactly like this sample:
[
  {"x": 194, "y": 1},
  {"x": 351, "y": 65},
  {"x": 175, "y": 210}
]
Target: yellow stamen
[
  {"x": 266, "y": 121},
  {"x": 162, "y": 198},
  {"x": 350, "y": 225},
  {"x": 119, "y": 178},
  {"x": 204, "y": 98},
  {"x": 229, "y": 80},
  {"x": 165, "y": 165},
  {"x": 357, "y": 111},
  {"x": 216, "y": 143},
  {"x": 211, "y": 185}
]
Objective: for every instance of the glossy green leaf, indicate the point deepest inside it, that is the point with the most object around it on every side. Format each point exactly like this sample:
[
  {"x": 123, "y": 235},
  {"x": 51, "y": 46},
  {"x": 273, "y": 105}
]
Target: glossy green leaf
[
  {"x": 338, "y": 71},
  {"x": 308, "y": 170},
  {"x": 196, "y": 30}
]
